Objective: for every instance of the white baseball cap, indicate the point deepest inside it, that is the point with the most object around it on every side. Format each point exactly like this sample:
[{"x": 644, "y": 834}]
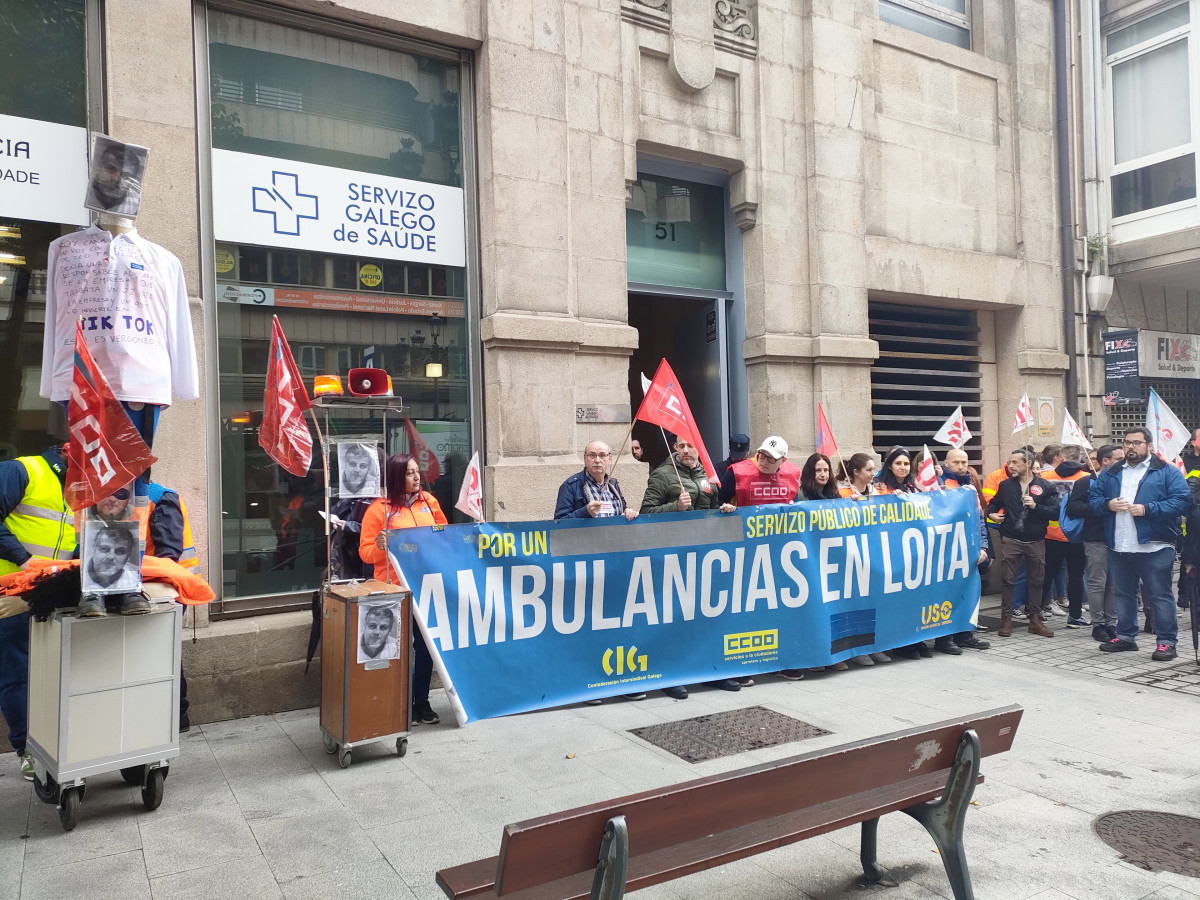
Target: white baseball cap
[{"x": 774, "y": 445}]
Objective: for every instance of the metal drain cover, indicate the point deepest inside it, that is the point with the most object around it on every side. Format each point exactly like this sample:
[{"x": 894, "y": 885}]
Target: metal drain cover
[
  {"x": 727, "y": 733},
  {"x": 1160, "y": 842}
]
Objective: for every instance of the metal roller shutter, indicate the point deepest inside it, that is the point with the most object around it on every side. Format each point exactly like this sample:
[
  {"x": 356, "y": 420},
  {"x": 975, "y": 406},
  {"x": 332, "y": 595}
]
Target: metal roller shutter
[
  {"x": 928, "y": 364},
  {"x": 1181, "y": 394}
]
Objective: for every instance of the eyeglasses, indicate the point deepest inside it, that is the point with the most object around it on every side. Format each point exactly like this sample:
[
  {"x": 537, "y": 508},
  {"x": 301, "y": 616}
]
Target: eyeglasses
[
  {"x": 1134, "y": 443},
  {"x": 596, "y": 455}
]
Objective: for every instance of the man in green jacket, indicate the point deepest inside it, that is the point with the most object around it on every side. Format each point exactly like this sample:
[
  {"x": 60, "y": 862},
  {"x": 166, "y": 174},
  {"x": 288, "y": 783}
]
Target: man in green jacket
[
  {"x": 663, "y": 491},
  {"x": 664, "y": 495}
]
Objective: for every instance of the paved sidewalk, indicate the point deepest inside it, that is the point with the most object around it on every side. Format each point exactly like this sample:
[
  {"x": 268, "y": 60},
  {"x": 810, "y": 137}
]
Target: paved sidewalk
[{"x": 255, "y": 808}]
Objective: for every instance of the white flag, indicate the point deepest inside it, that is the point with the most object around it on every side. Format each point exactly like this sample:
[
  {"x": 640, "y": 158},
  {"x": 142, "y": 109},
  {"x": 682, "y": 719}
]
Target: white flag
[
  {"x": 645, "y": 383},
  {"x": 1073, "y": 434},
  {"x": 927, "y": 475},
  {"x": 954, "y": 432},
  {"x": 1024, "y": 417},
  {"x": 1170, "y": 436},
  {"x": 470, "y": 497}
]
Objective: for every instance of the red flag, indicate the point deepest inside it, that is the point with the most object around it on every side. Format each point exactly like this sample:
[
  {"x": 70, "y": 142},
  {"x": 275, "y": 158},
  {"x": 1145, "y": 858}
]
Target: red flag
[
  {"x": 665, "y": 405},
  {"x": 105, "y": 451},
  {"x": 825, "y": 442},
  {"x": 427, "y": 461},
  {"x": 284, "y": 433}
]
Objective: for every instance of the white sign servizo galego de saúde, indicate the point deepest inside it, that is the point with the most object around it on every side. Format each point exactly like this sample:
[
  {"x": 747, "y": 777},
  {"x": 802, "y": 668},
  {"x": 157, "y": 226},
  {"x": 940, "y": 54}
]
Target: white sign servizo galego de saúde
[
  {"x": 280, "y": 203},
  {"x": 43, "y": 171}
]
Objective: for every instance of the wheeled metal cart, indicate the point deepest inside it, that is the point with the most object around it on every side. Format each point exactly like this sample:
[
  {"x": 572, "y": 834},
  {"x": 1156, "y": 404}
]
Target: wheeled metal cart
[
  {"x": 104, "y": 697},
  {"x": 363, "y": 702}
]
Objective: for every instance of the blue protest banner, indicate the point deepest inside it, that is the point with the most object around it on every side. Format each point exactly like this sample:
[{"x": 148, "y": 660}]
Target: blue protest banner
[{"x": 529, "y": 615}]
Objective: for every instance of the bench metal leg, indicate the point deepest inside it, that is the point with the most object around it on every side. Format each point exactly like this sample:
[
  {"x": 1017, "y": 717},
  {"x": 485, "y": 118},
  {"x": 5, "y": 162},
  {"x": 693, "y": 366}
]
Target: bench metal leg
[
  {"x": 872, "y": 874},
  {"x": 944, "y": 818},
  {"x": 612, "y": 868}
]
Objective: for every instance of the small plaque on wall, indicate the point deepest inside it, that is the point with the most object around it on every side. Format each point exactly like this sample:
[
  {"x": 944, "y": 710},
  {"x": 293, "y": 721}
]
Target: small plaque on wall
[{"x": 601, "y": 413}]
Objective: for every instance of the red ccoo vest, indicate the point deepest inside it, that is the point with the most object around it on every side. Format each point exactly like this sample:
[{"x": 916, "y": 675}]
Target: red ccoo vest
[{"x": 753, "y": 488}]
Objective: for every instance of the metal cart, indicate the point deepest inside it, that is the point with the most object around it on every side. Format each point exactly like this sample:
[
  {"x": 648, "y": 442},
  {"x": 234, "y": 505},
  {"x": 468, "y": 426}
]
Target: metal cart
[
  {"x": 104, "y": 697},
  {"x": 363, "y": 702}
]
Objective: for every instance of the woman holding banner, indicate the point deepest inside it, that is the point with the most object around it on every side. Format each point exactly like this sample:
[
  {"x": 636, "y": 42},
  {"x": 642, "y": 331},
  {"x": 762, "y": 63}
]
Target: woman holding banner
[
  {"x": 897, "y": 478},
  {"x": 859, "y": 480},
  {"x": 404, "y": 505},
  {"x": 816, "y": 479}
]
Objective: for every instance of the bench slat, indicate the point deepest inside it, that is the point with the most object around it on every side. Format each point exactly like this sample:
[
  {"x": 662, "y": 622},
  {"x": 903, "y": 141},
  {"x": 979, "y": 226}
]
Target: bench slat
[
  {"x": 555, "y": 847},
  {"x": 471, "y": 879}
]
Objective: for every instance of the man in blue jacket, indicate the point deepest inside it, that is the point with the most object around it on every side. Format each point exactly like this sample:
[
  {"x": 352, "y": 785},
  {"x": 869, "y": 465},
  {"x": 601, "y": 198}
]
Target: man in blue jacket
[
  {"x": 1140, "y": 501},
  {"x": 592, "y": 493}
]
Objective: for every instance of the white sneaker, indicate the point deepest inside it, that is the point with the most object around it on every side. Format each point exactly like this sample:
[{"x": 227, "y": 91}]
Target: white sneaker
[{"x": 1020, "y": 615}]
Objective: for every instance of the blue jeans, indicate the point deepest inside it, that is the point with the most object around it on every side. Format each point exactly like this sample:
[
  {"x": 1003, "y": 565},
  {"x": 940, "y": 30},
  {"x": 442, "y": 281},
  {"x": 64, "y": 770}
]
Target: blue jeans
[
  {"x": 1021, "y": 588},
  {"x": 1154, "y": 571},
  {"x": 14, "y": 677}
]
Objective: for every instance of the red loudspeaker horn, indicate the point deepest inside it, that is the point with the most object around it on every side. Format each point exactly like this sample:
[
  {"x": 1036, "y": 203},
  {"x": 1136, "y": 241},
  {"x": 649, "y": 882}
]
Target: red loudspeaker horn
[{"x": 369, "y": 383}]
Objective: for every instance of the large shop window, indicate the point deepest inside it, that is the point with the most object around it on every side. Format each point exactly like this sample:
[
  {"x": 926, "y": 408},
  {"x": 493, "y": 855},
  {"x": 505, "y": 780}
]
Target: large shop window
[
  {"x": 945, "y": 20},
  {"x": 43, "y": 174},
  {"x": 347, "y": 160},
  {"x": 1154, "y": 159}
]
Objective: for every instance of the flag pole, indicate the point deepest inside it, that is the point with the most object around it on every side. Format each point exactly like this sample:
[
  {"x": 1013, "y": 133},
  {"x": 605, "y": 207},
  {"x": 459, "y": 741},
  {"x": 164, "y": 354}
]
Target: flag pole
[
  {"x": 617, "y": 458},
  {"x": 670, "y": 457}
]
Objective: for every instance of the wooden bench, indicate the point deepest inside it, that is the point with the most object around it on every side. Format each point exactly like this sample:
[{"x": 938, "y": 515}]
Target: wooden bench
[{"x": 604, "y": 849}]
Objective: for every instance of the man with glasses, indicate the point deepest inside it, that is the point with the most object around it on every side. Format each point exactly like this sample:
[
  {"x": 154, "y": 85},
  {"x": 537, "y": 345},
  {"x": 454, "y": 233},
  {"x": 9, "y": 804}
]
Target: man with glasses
[
  {"x": 592, "y": 493},
  {"x": 767, "y": 477},
  {"x": 1141, "y": 501}
]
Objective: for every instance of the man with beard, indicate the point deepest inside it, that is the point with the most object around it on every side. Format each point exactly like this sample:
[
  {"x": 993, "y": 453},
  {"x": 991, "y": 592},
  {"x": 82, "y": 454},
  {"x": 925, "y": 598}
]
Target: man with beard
[
  {"x": 377, "y": 641},
  {"x": 110, "y": 568},
  {"x": 1141, "y": 501},
  {"x": 359, "y": 469}
]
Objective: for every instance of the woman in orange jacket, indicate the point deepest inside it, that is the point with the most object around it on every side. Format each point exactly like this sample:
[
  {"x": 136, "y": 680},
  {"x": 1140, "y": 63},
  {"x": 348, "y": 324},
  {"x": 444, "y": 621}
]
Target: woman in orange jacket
[{"x": 404, "y": 505}]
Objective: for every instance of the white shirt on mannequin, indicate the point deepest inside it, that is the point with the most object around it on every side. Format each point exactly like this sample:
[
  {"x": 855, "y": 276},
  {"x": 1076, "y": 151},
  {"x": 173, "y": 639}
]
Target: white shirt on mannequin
[{"x": 133, "y": 300}]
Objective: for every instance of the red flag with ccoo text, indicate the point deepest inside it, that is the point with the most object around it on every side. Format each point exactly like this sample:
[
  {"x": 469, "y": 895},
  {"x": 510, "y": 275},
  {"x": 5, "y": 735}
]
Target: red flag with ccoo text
[
  {"x": 105, "y": 451},
  {"x": 284, "y": 433},
  {"x": 664, "y": 405}
]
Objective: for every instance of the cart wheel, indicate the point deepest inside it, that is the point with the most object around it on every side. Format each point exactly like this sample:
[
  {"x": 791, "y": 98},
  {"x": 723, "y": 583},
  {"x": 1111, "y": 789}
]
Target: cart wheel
[
  {"x": 401, "y": 746},
  {"x": 134, "y": 776},
  {"x": 344, "y": 758},
  {"x": 152, "y": 791},
  {"x": 48, "y": 792},
  {"x": 68, "y": 809},
  {"x": 327, "y": 741}
]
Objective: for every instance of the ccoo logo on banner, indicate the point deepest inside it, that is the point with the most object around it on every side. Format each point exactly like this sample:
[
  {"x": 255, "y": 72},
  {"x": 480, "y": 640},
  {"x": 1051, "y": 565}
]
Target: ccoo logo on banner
[{"x": 531, "y": 615}]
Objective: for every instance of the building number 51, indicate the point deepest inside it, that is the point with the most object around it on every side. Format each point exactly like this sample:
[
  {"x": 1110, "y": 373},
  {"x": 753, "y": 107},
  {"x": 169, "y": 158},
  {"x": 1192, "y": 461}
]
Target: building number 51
[{"x": 663, "y": 229}]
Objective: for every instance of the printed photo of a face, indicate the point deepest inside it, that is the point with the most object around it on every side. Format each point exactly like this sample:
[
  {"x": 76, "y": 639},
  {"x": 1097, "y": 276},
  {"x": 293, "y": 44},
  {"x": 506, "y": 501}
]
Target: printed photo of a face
[
  {"x": 358, "y": 470},
  {"x": 111, "y": 558},
  {"x": 116, "y": 507},
  {"x": 378, "y": 631},
  {"x": 115, "y": 177}
]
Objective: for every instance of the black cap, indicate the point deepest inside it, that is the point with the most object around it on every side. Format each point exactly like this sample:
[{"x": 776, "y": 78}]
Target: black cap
[{"x": 739, "y": 442}]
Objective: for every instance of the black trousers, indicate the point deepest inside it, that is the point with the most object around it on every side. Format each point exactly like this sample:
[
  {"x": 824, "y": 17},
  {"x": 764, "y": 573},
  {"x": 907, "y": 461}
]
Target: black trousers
[
  {"x": 1074, "y": 556},
  {"x": 422, "y": 666}
]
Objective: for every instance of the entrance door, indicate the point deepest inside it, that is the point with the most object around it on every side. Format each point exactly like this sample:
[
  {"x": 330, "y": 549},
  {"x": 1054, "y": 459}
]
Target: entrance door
[{"x": 689, "y": 333}]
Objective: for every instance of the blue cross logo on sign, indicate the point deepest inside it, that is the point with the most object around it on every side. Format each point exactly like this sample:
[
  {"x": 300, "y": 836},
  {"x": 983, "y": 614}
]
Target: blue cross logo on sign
[{"x": 285, "y": 203}]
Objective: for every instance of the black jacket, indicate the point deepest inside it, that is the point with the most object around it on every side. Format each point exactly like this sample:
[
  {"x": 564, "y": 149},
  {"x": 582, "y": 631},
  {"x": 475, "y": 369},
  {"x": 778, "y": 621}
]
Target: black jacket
[
  {"x": 1077, "y": 506},
  {"x": 1021, "y": 523}
]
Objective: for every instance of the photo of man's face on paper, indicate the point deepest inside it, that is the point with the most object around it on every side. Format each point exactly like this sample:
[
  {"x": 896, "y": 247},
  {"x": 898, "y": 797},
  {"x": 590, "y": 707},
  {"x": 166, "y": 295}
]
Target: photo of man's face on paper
[
  {"x": 111, "y": 558},
  {"x": 378, "y": 630},
  {"x": 358, "y": 470},
  {"x": 115, "y": 177}
]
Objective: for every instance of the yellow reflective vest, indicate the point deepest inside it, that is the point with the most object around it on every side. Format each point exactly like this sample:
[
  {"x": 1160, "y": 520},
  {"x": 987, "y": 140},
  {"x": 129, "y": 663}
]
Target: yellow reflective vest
[{"x": 42, "y": 521}]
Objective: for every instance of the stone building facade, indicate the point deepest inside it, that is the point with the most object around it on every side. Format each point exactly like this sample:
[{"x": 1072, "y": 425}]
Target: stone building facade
[{"x": 849, "y": 202}]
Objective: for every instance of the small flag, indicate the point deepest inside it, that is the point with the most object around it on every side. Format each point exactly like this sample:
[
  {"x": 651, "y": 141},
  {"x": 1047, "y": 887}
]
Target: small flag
[
  {"x": 664, "y": 405},
  {"x": 927, "y": 474},
  {"x": 825, "y": 442},
  {"x": 284, "y": 433},
  {"x": 470, "y": 497},
  {"x": 1073, "y": 434},
  {"x": 427, "y": 460},
  {"x": 1170, "y": 435},
  {"x": 105, "y": 451},
  {"x": 1024, "y": 418},
  {"x": 954, "y": 432}
]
